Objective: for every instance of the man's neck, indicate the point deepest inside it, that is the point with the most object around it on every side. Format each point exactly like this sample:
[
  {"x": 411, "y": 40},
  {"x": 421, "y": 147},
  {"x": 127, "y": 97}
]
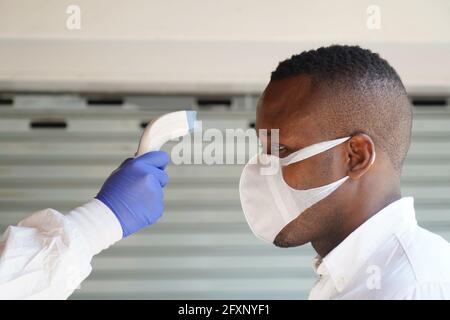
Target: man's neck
[{"x": 357, "y": 217}]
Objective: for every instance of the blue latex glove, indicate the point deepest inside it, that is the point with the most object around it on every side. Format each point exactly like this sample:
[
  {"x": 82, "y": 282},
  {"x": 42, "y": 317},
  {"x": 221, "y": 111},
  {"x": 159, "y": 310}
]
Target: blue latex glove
[{"x": 134, "y": 192}]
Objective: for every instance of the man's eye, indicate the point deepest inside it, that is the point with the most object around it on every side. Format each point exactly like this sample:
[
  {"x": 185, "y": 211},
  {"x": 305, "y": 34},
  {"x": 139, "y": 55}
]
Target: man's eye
[{"x": 279, "y": 149}]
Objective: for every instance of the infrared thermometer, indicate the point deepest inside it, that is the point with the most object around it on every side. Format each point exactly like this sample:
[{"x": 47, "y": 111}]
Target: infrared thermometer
[{"x": 167, "y": 127}]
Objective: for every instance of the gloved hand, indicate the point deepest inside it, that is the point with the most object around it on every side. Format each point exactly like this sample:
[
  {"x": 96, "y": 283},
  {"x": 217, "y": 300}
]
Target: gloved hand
[{"x": 134, "y": 192}]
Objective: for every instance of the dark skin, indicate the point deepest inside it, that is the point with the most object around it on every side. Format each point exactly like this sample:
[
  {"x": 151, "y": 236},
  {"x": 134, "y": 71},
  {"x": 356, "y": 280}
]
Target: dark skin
[{"x": 293, "y": 106}]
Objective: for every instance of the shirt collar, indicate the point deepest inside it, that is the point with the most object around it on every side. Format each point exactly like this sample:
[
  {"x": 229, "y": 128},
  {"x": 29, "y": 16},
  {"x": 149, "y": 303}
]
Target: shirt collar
[{"x": 348, "y": 257}]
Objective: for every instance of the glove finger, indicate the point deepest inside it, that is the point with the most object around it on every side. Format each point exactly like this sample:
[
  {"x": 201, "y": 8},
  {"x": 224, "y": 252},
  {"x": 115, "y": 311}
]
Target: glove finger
[
  {"x": 161, "y": 175},
  {"x": 159, "y": 159}
]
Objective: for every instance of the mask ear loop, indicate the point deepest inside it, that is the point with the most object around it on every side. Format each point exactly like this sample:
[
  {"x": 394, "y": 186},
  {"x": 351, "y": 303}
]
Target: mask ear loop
[
  {"x": 311, "y": 150},
  {"x": 374, "y": 155}
]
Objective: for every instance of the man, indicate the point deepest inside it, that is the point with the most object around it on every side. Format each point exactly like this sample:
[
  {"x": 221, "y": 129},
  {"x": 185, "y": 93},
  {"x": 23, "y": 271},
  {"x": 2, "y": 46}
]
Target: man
[{"x": 345, "y": 195}]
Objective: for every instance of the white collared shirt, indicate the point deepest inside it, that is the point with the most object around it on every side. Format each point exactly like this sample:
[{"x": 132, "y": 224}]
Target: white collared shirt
[{"x": 388, "y": 257}]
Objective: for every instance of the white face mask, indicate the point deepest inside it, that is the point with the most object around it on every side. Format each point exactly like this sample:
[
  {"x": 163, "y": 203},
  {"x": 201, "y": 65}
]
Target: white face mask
[{"x": 268, "y": 202}]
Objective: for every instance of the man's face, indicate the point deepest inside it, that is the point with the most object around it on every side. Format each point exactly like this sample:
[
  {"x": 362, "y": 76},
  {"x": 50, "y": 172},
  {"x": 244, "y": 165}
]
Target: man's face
[{"x": 293, "y": 106}]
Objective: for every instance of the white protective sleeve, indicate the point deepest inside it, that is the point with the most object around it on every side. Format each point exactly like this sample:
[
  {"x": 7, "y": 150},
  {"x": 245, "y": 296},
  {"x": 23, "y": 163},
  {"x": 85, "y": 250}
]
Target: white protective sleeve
[{"x": 48, "y": 255}]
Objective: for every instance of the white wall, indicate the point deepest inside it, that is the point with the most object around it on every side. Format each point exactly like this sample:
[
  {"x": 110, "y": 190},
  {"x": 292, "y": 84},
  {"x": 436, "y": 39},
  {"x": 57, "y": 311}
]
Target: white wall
[{"x": 212, "y": 46}]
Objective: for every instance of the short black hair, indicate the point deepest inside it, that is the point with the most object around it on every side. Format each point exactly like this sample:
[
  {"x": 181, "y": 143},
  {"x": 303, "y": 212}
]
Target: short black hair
[{"x": 366, "y": 95}]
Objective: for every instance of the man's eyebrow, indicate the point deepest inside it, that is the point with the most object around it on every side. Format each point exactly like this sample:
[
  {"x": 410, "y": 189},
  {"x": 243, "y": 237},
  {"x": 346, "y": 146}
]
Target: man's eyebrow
[
  {"x": 268, "y": 134},
  {"x": 269, "y": 131}
]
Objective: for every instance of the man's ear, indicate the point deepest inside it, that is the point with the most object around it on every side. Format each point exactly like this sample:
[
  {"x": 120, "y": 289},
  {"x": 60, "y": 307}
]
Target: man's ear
[{"x": 361, "y": 155}]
